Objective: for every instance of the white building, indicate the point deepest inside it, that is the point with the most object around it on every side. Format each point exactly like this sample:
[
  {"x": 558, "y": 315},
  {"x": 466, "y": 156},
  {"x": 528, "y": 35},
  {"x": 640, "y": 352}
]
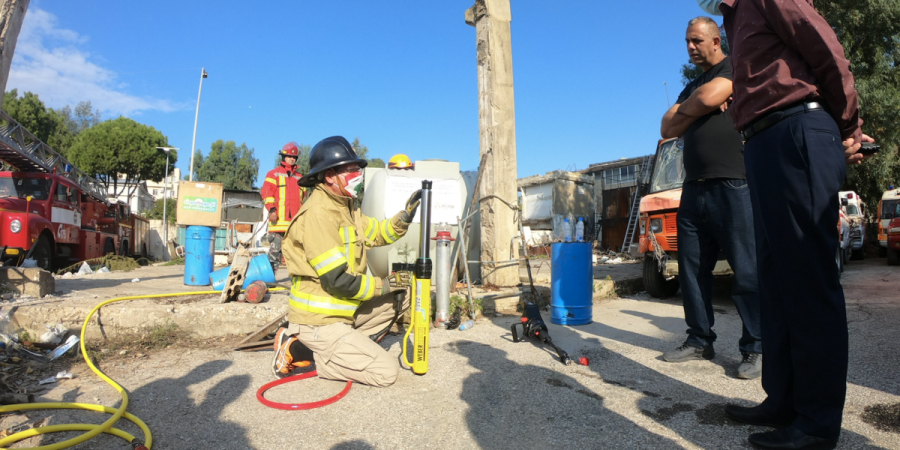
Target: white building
[
  {"x": 141, "y": 200},
  {"x": 158, "y": 189}
]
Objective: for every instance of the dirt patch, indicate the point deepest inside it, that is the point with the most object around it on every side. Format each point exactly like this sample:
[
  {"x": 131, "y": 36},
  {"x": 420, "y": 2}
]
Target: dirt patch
[
  {"x": 182, "y": 300},
  {"x": 668, "y": 412},
  {"x": 885, "y": 417},
  {"x": 125, "y": 344},
  {"x": 714, "y": 414}
]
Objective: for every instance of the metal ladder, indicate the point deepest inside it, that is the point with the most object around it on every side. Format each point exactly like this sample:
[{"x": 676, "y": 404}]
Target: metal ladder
[
  {"x": 23, "y": 151},
  {"x": 633, "y": 218}
]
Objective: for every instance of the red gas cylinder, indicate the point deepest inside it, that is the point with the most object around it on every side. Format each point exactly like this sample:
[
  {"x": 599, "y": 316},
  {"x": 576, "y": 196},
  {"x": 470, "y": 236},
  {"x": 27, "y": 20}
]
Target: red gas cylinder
[{"x": 256, "y": 291}]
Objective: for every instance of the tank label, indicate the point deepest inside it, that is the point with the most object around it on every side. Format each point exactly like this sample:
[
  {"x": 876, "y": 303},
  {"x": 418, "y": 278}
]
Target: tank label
[{"x": 202, "y": 204}]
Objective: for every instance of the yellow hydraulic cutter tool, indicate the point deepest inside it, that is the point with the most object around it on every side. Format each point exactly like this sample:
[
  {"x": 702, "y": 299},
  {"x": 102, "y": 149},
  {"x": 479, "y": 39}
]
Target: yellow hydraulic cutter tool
[{"x": 420, "y": 321}]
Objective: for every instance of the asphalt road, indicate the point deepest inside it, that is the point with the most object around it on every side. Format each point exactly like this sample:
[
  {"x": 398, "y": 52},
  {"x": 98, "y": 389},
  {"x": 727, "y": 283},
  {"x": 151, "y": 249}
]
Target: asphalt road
[{"x": 484, "y": 391}]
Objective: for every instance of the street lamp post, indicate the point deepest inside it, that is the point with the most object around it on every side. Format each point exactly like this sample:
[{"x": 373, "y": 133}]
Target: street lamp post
[
  {"x": 166, "y": 198},
  {"x": 203, "y": 75}
]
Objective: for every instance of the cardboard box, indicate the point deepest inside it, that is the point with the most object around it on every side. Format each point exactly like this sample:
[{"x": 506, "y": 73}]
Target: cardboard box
[{"x": 200, "y": 203}]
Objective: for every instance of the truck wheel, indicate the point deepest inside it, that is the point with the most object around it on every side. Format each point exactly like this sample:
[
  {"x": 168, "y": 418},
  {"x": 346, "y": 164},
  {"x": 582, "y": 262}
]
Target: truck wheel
[
  {"x": 882, "y": 252},
  {"x": 655, "y": 283},
  {"x": 123, "y": 249},
  {"x": 144, "y": 250},
  {"x": 43, "y": 253},
  {"x": 858, "y": 254},
  {"x": 893, "y": 257},
  {"x": 839, "y": 260},
  {"x": 846, "y": 255}
]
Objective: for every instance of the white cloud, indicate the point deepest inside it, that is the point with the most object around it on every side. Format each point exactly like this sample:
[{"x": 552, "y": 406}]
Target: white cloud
[{"x": 48, "y": 63}]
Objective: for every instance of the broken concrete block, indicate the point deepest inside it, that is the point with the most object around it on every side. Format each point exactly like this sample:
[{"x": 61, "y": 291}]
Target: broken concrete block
[{"x": 34, "y": 282}]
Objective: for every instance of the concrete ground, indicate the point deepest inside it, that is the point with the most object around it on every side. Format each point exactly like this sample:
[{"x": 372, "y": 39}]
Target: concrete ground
[{"x": 484, "y": 391}]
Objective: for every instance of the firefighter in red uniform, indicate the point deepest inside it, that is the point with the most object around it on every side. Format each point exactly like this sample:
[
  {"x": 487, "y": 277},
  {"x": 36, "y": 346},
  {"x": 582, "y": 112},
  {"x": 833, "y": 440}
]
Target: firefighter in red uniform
[{"x": 282, "y": 196}]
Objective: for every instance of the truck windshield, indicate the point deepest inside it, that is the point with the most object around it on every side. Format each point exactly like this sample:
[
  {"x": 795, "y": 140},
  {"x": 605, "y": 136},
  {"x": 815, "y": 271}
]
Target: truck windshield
[
  {"x": 887, "y": 208},
  {"x": 668, "y": 172},
  {"x": 852, "y": 210},
  {"x": 37, "y": 188}
]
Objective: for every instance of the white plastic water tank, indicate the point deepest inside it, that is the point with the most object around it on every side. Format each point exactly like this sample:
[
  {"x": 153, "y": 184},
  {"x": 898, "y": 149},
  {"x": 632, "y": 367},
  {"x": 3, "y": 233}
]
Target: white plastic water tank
[{"x": 386, "y": 192}]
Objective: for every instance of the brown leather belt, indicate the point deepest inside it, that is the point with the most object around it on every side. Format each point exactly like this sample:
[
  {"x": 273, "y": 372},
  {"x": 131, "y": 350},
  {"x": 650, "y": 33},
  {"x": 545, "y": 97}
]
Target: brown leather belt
[{"x": 767, "y": 122}]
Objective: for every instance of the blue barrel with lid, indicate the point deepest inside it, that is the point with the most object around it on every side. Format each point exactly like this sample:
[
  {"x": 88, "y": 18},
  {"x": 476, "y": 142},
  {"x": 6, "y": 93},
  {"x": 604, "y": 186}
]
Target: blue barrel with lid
[
  {"x": 572, "y": 283},
  {"x": 199, "y": 249}
]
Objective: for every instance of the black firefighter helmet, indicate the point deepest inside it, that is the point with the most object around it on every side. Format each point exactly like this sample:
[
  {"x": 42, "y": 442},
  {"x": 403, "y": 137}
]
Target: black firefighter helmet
[{"x": 329, "y": 153}]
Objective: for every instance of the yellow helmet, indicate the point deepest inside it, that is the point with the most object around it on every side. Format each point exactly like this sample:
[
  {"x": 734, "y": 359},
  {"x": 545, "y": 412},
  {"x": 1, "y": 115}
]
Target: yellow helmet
[{"x": 400, "y": 161}]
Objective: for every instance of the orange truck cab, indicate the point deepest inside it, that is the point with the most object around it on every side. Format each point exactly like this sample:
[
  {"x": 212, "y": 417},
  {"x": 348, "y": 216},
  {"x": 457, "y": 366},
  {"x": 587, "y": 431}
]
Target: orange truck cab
[{"x": 658, "y": 222}]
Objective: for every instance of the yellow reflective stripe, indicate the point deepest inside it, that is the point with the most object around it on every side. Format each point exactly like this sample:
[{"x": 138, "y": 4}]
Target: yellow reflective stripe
[
  {"x": 372, "y": 229},
  {"x": 320, "y": 304},
  {"x": 348, "y": 236},
  {"x": 387, "y": 231},
  {"x": 327, "y": 261},
  {"x": 366, "y": 288},
  {"x": 281, "y": 195},
  {"x": 269, "y": 200},
  {"x": 271, "y": 180}
]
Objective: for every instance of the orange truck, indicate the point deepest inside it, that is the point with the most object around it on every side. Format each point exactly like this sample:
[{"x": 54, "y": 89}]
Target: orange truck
[{"x": 658, "y": 222}]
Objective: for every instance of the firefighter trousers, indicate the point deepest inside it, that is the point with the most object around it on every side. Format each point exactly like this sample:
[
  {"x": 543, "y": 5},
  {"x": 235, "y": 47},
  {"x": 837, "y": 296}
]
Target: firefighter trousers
[{"x": 345, "y": 352}]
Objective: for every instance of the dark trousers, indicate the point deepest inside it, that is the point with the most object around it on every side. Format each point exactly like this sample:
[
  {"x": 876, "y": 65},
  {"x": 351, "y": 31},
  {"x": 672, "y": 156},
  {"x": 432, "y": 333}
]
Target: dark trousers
[
  {"x": 795, "y": 170},
  {"x": 716, "y": 215}
]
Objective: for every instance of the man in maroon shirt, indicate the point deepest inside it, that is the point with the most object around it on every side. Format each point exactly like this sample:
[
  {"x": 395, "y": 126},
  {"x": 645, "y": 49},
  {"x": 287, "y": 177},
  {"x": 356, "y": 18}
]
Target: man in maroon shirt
[{"x": 796, "y": 106}]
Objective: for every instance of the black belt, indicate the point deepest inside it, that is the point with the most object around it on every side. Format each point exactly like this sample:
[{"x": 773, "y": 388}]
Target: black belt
[{"x": 766, "y": 122}]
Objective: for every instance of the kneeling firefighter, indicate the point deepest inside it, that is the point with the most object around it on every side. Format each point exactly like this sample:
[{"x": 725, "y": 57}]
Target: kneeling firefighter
[{"x": 334, "y": 305}]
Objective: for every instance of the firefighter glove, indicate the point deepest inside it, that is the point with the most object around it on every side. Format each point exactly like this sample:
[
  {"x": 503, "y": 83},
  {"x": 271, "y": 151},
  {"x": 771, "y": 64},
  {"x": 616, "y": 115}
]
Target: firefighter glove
[{"x": 412, "y": 205}]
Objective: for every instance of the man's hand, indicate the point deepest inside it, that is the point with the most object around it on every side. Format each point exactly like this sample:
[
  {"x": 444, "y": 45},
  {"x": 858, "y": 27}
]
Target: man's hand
[
  {"x": 724, "y": 106},
  {"x": 851, "y": 147},
  {"x": 412, "y": 205},
  {"x": 273, "y": 217}
]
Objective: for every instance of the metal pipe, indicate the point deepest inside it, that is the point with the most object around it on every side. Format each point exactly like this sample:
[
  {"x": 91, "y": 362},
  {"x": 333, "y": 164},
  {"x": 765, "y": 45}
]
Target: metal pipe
[
  {"x": 497, "y": 262},
  {"x": 462, "y": 245},
  {"x": 443, "y": 271},
  {"x": 203, "y": 75}
]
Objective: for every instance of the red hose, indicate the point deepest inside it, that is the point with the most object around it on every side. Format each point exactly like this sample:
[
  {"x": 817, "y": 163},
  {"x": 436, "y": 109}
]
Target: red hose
[{"x": 298, "y": 406}]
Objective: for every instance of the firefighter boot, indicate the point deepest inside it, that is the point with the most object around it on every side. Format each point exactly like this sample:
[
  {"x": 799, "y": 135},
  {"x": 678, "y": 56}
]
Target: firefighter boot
[{"x": 290, "y": 354}]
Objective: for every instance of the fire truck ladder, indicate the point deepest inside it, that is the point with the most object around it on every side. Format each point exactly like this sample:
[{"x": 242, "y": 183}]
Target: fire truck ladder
[
  {"x": 643, "y": 177},
  {"x": 22, "y": 151}
]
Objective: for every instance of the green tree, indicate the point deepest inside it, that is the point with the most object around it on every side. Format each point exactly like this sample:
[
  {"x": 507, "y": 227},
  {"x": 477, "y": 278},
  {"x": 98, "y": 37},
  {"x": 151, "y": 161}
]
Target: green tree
[
  {"x": 157, "y": 211},
  {"x": 302, "y": 159},
  {"x": 232, "y": 165},
  {"x": 869, "y": 31},
  {"x": 82, "y": 118},
  {"x": 122, "y": 147},
  {"x": 198, "y": 163},
  {"x": 44, "y": 123},
  {"x": 363, "y": 152}
]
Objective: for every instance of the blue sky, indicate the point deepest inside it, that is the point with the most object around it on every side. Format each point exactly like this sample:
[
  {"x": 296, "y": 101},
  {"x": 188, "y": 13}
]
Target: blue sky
[{"x": 400, "y": 75}]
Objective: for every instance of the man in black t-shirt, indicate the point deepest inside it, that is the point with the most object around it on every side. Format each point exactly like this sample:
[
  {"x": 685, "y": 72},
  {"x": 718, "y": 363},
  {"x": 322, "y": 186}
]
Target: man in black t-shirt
[{"x": 715, "y": 213}]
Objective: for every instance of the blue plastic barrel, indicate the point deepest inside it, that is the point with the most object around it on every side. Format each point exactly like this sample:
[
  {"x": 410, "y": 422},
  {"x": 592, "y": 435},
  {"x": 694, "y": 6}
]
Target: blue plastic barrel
[
  {"x": 199, "y": 245},
  {"x": 259, "y": 269},
  {"x": 572, "y": 282}
]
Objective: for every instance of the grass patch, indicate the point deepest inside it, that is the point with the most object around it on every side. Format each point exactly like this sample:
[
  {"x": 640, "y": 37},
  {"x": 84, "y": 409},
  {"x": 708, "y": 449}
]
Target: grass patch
[
  {"x": 156, "y": 338},
  {"x": 175, "y": 262}
]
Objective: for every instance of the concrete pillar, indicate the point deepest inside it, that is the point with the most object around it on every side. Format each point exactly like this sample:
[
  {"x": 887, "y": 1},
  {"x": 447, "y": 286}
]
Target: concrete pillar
[
  {"x": 497, "y": 136},
  {"x": 12, "y": 13}
]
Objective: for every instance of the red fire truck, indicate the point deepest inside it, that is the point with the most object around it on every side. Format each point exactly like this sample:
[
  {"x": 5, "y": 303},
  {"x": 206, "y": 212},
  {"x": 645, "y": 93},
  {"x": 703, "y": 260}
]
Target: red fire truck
[{"x": 50, "y": 211}]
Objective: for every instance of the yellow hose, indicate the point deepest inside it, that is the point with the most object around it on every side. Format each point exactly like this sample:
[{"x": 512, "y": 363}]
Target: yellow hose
[{"x": 92, "y": 429}]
